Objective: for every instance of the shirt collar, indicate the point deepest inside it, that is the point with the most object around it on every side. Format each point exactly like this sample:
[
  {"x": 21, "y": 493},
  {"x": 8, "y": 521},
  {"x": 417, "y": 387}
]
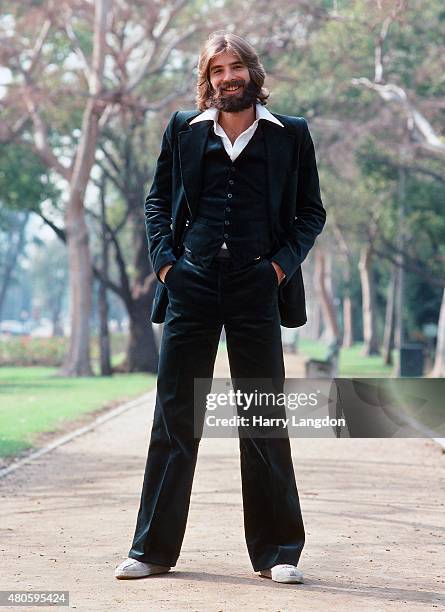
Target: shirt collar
[{"x": 261, "y": 112}]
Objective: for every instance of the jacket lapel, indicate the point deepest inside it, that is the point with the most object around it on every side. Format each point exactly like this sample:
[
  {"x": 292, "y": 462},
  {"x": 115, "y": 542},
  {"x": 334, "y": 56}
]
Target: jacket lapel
[
  {"x": 280, "y": 146},
  {"x": 192, "y": 141}
]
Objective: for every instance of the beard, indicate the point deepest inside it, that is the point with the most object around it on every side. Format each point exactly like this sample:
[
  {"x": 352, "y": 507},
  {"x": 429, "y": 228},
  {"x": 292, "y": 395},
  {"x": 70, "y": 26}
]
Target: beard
[{"x": 233, "y": 103}]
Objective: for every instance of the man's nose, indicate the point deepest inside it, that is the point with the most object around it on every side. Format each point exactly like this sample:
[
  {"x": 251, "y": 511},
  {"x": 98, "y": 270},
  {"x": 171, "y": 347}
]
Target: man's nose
[{"x": 228, "y": 75}]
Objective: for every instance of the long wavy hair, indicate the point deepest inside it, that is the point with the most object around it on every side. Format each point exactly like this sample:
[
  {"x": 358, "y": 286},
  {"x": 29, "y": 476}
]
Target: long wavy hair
[{"x": 225, "y": 41}]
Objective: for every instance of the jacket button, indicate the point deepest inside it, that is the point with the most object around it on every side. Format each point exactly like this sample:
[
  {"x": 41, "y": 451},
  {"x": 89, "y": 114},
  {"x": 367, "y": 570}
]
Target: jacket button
[
  {"x": 226, "y": 235},
  {"x": 231, "y": 182},
  {"x": 228, "y": 209}
]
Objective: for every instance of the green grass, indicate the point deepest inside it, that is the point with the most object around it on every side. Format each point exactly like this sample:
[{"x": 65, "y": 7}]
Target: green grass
[
  {"x": 352, "y": 362},
  {"x": 417, "y": 397},
  {"x": 33, "y": 400}
]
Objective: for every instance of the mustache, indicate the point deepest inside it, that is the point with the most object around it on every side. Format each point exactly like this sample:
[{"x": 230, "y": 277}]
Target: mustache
[{"x": 232, "y": 84}]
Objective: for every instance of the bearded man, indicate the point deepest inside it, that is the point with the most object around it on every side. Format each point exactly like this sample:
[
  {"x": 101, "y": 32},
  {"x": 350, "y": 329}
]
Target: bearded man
[{"x": 233, "y": 211}]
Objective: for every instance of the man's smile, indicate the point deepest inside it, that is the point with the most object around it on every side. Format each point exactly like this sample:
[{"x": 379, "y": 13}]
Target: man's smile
[{"x": 232, "y": 88}]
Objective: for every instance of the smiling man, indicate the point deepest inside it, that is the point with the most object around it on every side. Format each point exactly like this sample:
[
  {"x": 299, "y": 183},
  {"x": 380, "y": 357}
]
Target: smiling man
[{"x": 232, "y": 213}]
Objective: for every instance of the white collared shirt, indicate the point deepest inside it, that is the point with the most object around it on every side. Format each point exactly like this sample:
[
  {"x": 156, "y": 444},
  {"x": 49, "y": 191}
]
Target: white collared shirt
[{"x": 211, "y": 114}]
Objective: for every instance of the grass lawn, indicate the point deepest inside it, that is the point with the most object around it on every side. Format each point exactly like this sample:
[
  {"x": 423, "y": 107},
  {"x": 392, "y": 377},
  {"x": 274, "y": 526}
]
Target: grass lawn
[
  {"x": 352, "y": 363},
  {"x": 33, "y": 400}
]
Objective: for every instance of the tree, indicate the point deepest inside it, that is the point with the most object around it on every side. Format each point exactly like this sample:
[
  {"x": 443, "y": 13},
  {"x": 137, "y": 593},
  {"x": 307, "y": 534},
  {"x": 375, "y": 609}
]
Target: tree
[
  {"x": 12, "y": 243},
  {"x": 24, "y": 185},
  {"x": 27, "y": 57},
  {"x": 49, "y": 269},
  {"x": 66, "y": 60}
]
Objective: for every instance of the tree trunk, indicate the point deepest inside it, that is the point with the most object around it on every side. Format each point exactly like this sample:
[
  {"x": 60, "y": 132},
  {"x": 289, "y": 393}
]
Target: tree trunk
[
  {"x": 344, "y": 254},
  {"x": 439, "y": 361},
  {"x": 311, "y": 329},
  {"x": 399, "y": 331},
  {"x": 77, "y": 361},
  {"x": 56, "y": 311},
  {"x": 348, "y": 329},
  {"x": 15, "y": 247},
  {"x": 326, "y": 300},
  {"x": 388, "y": 335},
  {"x": 368, "y": 302},
  {"x": 104, "y": 336},
  {"x": 142, "y": 353},
  {"x": 142, "y": 350}
]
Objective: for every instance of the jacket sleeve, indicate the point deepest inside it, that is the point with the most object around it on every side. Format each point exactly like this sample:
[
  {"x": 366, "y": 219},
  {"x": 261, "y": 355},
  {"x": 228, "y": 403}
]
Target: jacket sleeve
[
  {"x": 310, "y": 213},
  {"x": 158, "y": 212}
]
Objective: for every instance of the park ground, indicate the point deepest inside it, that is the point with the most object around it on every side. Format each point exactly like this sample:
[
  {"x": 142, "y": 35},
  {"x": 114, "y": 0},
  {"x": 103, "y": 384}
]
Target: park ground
[
  {"x": 373, "y": 510},
  {"x": 36, "y": 404}
]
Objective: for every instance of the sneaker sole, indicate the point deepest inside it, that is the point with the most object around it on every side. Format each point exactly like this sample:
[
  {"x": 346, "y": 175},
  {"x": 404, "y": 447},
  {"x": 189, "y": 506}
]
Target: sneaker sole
[
  {"x": 140, "y": 574},
  {"x": 284, "y": 580}
]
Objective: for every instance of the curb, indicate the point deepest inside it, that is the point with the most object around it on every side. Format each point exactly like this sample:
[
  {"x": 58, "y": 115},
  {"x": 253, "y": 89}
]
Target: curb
[{"x": 111, "y": 414}]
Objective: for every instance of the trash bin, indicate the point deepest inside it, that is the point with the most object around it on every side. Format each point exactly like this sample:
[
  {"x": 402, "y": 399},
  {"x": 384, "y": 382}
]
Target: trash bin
[{"x": 411, "y": 359}]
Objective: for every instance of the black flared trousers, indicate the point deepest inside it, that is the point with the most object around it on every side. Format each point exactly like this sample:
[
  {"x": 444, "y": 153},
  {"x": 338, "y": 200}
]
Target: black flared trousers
[{"x": 201, "y": 301}]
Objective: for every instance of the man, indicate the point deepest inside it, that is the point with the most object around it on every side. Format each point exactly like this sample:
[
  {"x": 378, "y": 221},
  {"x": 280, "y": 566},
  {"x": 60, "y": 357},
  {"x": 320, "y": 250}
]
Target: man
[{"x": 233, "y": 211}]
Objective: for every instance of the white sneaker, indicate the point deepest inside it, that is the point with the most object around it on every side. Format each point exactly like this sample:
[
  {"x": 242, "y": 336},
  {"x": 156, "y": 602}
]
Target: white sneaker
[
  {"x": 132, "y": 568},
  {"x": 283, "y": 573}
]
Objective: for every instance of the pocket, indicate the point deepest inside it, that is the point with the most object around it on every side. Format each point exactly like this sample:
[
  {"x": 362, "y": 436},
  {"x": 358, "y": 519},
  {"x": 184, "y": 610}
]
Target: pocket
[
  {"x": 272, "y": 269},
  {"x": 170, "y": 270},
  {"x": 168, "y": 273}
]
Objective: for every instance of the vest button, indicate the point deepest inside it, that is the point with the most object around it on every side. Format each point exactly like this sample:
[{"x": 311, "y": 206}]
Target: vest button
[
  {"x": 226, "y": 235},
  {"x": 229, "y": 195},
  {"x": 226, "y": 222},
  {"x": 231, "y": 182},
  {"x": 228, "y": 209}
]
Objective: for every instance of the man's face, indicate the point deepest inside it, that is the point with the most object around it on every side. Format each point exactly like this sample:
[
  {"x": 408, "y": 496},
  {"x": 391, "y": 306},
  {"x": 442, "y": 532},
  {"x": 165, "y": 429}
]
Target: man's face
[{"x": 233, "y": 89}]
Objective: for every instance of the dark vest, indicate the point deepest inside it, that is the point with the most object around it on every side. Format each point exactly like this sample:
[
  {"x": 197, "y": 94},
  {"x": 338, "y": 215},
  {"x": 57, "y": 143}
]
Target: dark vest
[{"x": 233, "y": 206}]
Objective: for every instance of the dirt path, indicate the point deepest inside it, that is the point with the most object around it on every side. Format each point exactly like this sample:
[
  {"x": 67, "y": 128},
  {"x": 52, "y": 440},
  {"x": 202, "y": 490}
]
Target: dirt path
[{"x": 374, "y": 513}]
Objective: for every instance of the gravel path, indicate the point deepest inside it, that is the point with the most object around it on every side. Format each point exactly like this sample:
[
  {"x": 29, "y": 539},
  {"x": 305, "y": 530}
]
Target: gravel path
[{"x": 373, "y": 509}]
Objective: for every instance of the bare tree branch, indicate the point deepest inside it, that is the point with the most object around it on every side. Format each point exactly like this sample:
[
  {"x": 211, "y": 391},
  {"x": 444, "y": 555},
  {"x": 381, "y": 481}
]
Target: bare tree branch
[
  {"x": 37, "y": 50},
  {"x": 76, "y": 46},
  {"x": 8, "y": 132},
  {"x": 111, "y": 177},
  {"x": 164, "y": 54},
  {"x": 378, "y": 51},
  {"x": 60, "y": 233},
  {"x": 413, "y": 265},
  {"x": 42, "y": 147},
  {"x": 124, "y": 287},
  {"x": 416, "y": 121}
]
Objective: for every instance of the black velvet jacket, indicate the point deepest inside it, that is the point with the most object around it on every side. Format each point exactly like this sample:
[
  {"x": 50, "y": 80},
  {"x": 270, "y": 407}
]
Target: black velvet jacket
[{"x": 297, "y": 212}]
